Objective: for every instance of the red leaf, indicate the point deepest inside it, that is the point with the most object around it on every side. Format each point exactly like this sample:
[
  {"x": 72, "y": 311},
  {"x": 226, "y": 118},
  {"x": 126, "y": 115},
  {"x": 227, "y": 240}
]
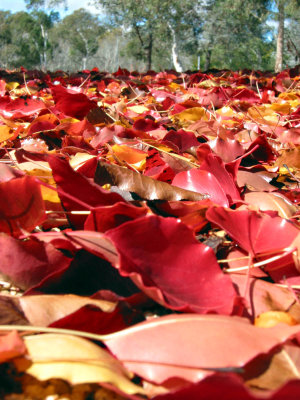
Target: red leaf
[
  {"x": 103, "y": 218},
  {"x": 21, "y": 205},
  {"x": 21, "y": 107},
  {"x": 91, "y": 318},
  {"x": 264, "y": 153},
  {"x": 145, "y": 124},
  {"x": 230, "y": 387},
  {"x": 88, "y": 196},
  {"x": 28, "y": 262},
  {"x": 215, "y": 165},
  {"x": 254, "y": 232},
  {"x": 76, "y": 105},
  {"x": 83, "y": 128},
  {"x": 159, "y": 254},
  {"x": 219, "y": 386},
  {"x": 211, "y": 178},
  {"x": 182, "y": 139},
  {"x": 203, "y": 182}
]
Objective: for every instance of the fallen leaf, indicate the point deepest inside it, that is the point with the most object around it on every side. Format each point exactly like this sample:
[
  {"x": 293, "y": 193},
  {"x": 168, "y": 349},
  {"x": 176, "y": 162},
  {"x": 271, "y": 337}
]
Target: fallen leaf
[
  {"x": 103, "y": 218},
  {"x": 290, "y": 157},
  {"x": 145, "y": 187},
  {"x": 186, "y": 346},
  {"x": 283, "y": 367},
  {"x": 43, "y": 310},
  {"x": 21, "y": 205},
  {"x": 271, "y": 201},
  {"x": 254, "y": 182},
  {"x": 196, "y": 180},
  {"x": 28, "y": 262},
  {"x": 76, "y": 360},
  {"x": 11, "y": 346},
  {"x": 262, "y": 296},
  {"x": 254, "y": 232},
  {"x": 148, "y": 254},
  {"x": 73, "y": 104},
  {"x": 89, "y": 196}
]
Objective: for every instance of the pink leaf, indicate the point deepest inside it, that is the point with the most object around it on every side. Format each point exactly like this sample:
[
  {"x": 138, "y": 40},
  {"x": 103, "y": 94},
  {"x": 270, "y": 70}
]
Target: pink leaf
[
  {"x": 11, "y": 346},
  {"x": 188, "y": 346}
]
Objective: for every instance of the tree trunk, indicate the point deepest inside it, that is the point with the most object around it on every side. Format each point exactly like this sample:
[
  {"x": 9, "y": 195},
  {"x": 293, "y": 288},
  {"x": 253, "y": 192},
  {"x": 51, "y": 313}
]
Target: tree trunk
[
  {"x": 280, "y": 37},
  {"x": 44, "y": 55},
  {"x": 176, "y": 63},
  {"x": 149, "y": 52},
  {"x": 207, "y": 59}
]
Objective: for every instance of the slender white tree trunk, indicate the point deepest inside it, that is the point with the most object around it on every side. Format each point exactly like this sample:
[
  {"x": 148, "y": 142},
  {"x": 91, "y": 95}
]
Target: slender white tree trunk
[
  {"x": 176, "y": 63},
  {"x": 280, "y": 37}
]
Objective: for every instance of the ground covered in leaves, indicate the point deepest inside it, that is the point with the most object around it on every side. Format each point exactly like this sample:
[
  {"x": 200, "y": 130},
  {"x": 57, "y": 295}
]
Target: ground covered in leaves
[{"x": 149, "y": 235}]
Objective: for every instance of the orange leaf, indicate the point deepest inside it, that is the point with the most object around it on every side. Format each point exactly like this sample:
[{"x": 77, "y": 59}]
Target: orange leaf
[{"x": 128, "y": 154}]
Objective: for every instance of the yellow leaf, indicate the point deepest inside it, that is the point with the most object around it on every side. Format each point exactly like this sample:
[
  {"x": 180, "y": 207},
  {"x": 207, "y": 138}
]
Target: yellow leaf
[
  {"x": 208, "y": 83},
  {"x": 79, "y": 159},
  {"x": 191, "y": 115},
  {"x": 138, "y": 109},
  {"x": 11, "y": 85},
  {"x": 263, "y": 115},
  {"x": 272, "y": 318},
  {"x": 289, "y": 96},
  {"x": 44, "y": 175},
  {"x": 50, "y": 195},
  {"x": 284, "y": 108},
  {"x": 76, "y": 360},
  {"x": 226, "y": 112},
  {"x": 69, "y": 120},
  {"x": 174, "y": 86},
  {"x": 291, "y": 158},
  {"x": 5, "y": 133}
]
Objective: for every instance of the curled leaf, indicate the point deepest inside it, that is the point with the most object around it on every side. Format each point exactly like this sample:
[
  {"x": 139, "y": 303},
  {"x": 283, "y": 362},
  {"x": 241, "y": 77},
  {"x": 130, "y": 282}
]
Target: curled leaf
[{"x": 145, "y": 187}]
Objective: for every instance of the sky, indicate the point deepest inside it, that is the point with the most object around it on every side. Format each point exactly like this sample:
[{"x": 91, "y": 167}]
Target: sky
[{"x": 19, "y": 5}]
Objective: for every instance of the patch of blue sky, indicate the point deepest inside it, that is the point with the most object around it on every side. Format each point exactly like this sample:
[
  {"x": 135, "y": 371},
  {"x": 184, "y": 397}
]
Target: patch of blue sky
[{"x": 72, "y": 5}]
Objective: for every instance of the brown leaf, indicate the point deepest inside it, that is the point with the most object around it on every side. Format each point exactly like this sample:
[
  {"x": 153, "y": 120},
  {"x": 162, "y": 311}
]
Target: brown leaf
[
  {"x": 11, "y": 312},
  {"x": 145, "y": 187},
  {"x": 254, "y": 181},
  {"x": 42, "y": 310},
  {"x": 283, "y": 366},
  {"x": 97, "y": 116},
  {"x": 271, "y": 201}
]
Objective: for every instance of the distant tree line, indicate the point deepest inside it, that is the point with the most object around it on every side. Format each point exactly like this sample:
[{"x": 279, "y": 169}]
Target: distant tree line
[{"x": 154, "y": 34}]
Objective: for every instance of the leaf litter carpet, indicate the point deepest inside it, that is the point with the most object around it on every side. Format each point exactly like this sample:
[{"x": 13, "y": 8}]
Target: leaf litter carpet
[{"x": 149, "y": 235}]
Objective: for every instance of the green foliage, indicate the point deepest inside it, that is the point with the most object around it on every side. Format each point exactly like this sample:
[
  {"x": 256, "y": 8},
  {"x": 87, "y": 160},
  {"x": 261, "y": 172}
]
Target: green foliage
[
  {"x": 145, "y": 34},
  {"x": 76, "y": 36}
]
